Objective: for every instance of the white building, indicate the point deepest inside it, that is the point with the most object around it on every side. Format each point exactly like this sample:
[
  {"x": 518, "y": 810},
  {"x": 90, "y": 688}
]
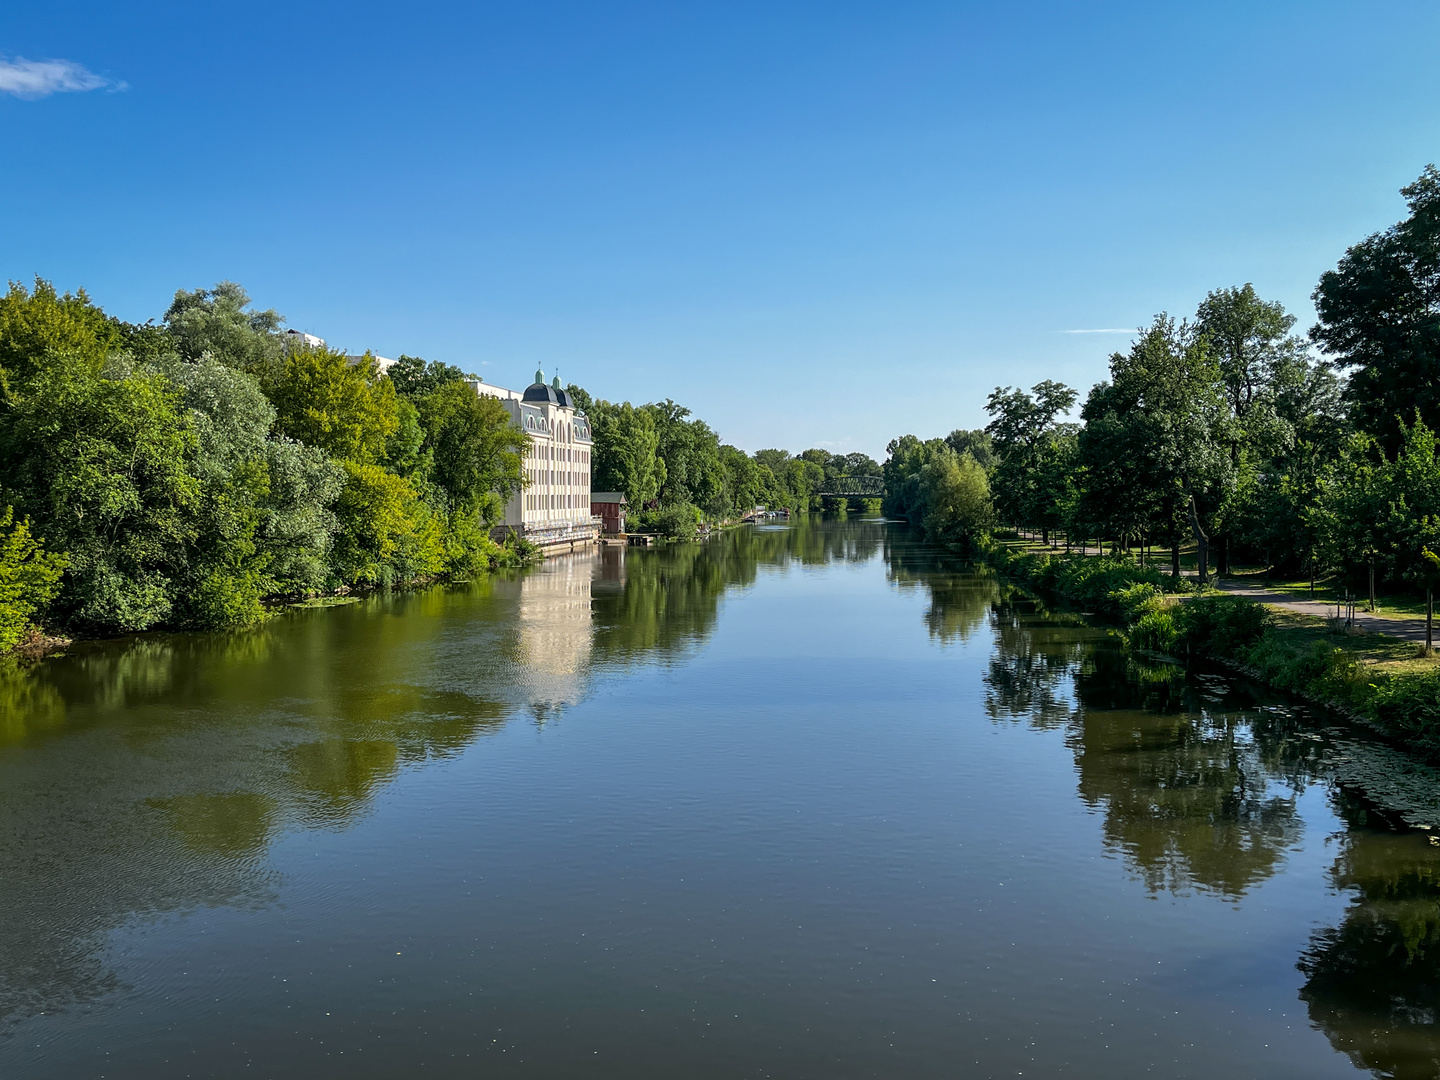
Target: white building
[{"x": 553, "y": 508}]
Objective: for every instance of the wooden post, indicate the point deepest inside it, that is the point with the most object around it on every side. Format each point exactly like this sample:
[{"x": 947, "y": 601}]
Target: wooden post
[{"x": 1429, "y": 618}]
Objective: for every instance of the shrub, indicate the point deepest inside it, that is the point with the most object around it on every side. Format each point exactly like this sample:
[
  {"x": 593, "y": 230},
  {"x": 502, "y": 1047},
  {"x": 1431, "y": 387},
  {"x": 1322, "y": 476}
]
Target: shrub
[
  {"x": 228, "y": 598},
  {"x": 1409, "y": 707},
  {"x": 1220, "y": 625},
  {"x": 1155, "y": 631},
  {"x": 1138, "y": 600},
  {"x": 29, "y": 578},
  {"x": 679, "y": 521}
]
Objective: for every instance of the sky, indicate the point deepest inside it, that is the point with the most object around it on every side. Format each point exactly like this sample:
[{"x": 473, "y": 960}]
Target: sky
[{"x": 818, "y": 224}]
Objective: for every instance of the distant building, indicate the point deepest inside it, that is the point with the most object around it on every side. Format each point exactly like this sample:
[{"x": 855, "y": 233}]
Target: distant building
[
  {"x": 293, "y": 338},
  {"x": 609, "y": 507},
  {"x": 553, "y": 509},
  {"x": 299, "y": 337}
]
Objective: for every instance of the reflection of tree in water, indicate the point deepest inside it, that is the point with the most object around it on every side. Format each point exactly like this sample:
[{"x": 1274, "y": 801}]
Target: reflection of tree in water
[
  {"x": 147, "y": 775},
  {"x": 161, "y": 767},
  {"x": 1372, "y": 983},
  {"x": 1188, "y": 789},
  {"x": 1034, "y": 663},
  {"x": 660, "y": 602},
  {"x": 961, "y": 596}
]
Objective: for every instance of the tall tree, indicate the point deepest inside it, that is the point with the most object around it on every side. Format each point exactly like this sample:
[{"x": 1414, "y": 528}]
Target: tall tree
[
  {"x": 222, "y": 323},
  {"x": 1379, "y": 315},
  {"x": 1156, "y": 436},
  {"x": 1023, "y": 429}
]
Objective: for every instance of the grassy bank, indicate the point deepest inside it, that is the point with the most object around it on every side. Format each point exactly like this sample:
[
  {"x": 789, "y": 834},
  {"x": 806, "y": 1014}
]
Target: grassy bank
[{"x": 1383, "y": 681}]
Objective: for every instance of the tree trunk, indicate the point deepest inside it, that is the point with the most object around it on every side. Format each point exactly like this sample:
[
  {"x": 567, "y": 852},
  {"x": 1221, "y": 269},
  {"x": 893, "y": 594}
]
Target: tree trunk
[
  {"x": 1202, "y": 545},
  {"x": 1222, "y": 555},
  {"x": 1175, "y": 557},
  {"x": 1372, "y": 586},
  {"x": 1429, "y": 618},
  {"x": 1045, "y": 535}
]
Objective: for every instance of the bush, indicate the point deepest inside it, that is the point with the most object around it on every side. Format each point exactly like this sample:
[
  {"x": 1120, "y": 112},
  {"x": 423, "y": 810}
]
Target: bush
[
  {"x": 29, "y": 578},
  {"x": 1155, "y": 631},
  {"x": 1220, "y": 625},
  {"x": 1409, "y": 707},
  {"x": 679, "y": 521},
  {"x": 1138, "y": 600},
  {"x": 226, "y": 599}
]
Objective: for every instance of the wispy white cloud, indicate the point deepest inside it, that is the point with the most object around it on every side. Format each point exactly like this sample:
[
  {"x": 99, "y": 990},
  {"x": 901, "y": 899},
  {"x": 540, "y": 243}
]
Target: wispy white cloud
[
  {"x": 40, "y": 78},
  {"x": 1106, "y": 330}
]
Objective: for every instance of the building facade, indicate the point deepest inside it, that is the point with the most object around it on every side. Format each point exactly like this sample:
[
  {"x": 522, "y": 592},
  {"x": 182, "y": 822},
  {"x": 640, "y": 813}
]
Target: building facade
[{"x": 553, "y": 508}]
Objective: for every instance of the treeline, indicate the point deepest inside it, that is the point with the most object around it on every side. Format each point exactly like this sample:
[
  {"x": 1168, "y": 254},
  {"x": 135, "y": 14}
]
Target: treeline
[
  {"x": 1312, "y": 455},
  {"x": 178, "y": 474},
  {"x": 676, "y": 474}
]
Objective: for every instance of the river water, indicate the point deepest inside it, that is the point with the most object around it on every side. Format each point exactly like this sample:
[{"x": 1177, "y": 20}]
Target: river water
[{"x": 807, "y": 801}]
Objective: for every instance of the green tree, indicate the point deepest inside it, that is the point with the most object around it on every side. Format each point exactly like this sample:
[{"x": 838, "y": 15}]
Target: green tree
[
  {"x": 34, "y": 325},
  {"x": 1156, "y": 437},
  {"x": 102, "y": 465},
  {"x": 625, "y": 454},
  {"x": 1379, "y": 313},
  {"x": 414, "y": 378},
  {"x": 976, "y": 443},
  {"x": 1023, "y": 429},
  {"x": 477, "y": 453},
  {"x": 387, "y": 534},
  {"x": 29, "y": 578},
  {"x": 322, "y": 399},
  {"x": 221, "y": 323},
  {"x": 955, "y": 494}
]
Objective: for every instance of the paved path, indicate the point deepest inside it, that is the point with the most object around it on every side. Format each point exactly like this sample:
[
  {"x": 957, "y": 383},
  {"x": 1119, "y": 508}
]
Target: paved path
[{"x": 1411, "y": 628}]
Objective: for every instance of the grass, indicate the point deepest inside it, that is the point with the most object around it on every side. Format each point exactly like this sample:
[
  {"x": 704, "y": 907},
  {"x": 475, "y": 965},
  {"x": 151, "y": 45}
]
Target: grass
[
  {"x": 1329, "y": 590},
  {"x": 1385, "y": 680},
  {"x": 1381, "y": 654}
]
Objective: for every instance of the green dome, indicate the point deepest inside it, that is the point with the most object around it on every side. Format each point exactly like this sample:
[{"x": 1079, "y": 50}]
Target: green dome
[
  {"x": 539, "y": 376},
  {"x": 556, "y": 383}
]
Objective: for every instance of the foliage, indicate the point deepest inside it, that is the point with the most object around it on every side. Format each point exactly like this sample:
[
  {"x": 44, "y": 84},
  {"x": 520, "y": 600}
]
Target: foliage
[
  {"x": 387, "y": 535},
  {"x": 39, "y": 323},
  {"x": 414, "y": 378},
  {"x": 103, "y": 465},
  {"x": 1154, "y": 445},
  {"x": 678, "y": 521},
  {"x": 221, "y": 323},
  {"x": 1220, "y": 625},
  {"x": 29, "y": 578},
  {"x": 321, "y": 399},
  {"x": 955, "y": 497},
  {"x": 625, "y": 454},
  {"x": 475, "y": 453},
  {"x": 1379, "y": 313}
]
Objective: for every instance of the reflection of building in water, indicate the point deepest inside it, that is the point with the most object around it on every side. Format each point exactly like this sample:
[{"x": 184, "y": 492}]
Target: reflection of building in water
[{"x": 554, "y": 629}]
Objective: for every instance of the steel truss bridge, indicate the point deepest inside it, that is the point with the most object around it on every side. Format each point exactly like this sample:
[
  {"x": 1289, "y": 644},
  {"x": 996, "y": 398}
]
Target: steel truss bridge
[{"x": 854, "y": 487}]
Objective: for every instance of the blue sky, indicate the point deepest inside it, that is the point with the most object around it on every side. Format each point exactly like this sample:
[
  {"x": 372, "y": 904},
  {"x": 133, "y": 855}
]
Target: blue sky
[{"x": 824, "y": 224}]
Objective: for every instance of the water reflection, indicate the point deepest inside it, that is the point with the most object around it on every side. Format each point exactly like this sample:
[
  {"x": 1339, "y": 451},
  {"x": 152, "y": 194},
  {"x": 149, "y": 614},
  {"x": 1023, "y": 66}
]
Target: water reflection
[
  {"x": 150, "y": 774},
  {"x": 1372, "y": 983},
  {"x": 1186, "y": 781},
  {"x": 961, "y": 596}
]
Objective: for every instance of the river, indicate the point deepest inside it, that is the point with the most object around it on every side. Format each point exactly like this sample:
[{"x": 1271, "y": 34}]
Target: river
[{"x": 808, "y": 801}]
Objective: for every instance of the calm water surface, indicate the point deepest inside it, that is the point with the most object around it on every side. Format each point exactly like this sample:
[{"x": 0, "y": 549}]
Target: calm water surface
[{"x": 798, "y": 802}]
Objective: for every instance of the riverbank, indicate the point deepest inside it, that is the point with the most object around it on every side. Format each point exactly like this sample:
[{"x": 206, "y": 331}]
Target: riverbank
[
  {"x": 38, "y": 642},
  {"x": 1382, "y": 681}
]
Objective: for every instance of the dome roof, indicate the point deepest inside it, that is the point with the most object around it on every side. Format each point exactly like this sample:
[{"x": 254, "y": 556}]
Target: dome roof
[
  {"x": 539, "y": 391},
  {"x": 561, "y": 397}
]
